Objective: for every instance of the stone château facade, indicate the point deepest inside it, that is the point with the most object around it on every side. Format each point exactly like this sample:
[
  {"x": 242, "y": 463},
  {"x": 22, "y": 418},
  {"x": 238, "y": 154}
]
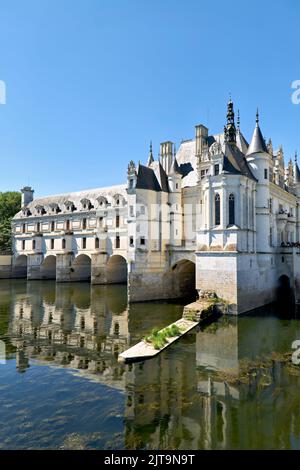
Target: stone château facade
[{"x": 218, "y": 215}]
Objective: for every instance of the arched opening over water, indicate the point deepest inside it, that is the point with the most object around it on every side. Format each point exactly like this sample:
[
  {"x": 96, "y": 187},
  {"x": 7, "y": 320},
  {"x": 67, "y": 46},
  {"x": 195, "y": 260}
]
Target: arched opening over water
[
  {"x": 184, "y": 273},
  {"x": 284, "y": 292},
  {"x": 81, "y": 268},
  {"x": 20, "y": 267},
  {"x": 117, "y": 270},
  {"x": 48, "y": 267}
]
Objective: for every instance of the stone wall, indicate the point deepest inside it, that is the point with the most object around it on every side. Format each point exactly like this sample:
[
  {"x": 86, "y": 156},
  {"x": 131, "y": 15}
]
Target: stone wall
[{"x": 5, "y": 266}]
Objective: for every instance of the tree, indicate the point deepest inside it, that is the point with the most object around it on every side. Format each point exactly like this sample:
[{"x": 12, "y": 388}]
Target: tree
[{"x": 10, "y": 204}]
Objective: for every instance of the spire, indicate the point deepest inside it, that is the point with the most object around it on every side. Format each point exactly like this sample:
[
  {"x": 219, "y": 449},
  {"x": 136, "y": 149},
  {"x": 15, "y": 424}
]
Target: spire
[
  {"x": 229, "y": 129},
  {"x": 150, "y": 158},
  {"x": 296, "y": 170},
  {"x": 238, "y": 121},
  {"x": 174, "y": 168},
  {"x": 257, "y": 144}
]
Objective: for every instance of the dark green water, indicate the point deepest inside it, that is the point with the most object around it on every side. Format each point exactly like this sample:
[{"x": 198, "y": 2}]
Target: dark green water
[{"x": 230, "y": 385}]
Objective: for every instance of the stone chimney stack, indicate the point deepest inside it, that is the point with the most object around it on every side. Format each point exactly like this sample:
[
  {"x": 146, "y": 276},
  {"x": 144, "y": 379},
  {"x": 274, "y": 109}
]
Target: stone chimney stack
[
  {"x": 166, "y": 155},
  {"x": 27, "y": 195},
  {"x": 201, "y": 139}
]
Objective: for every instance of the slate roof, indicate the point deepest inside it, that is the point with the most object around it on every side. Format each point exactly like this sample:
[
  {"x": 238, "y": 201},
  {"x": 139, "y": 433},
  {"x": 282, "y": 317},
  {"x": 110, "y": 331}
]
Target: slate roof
[
  {"x": 76, "y": 197},
  {"x": 257, "y": 144}
]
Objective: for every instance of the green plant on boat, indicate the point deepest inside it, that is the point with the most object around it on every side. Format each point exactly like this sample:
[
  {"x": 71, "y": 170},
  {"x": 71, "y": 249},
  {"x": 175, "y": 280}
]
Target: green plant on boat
[{"x": 159, "y": 338}]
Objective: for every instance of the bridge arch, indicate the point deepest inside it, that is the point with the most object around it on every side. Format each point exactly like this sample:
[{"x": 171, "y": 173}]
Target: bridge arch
[
  {"x": 184, "y": 278},
  {"x": 81, "y": 268},
  {"x": 284, "y": 292},
  {"x": 117, "y": 270},
  {"x": 20, "y": 266},
  {"x": 48, "y": 267}
]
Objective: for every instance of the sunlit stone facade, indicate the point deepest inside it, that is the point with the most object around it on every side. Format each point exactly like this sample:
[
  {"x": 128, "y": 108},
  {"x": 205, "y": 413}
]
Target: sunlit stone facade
[{"x": 218, "y": 215}]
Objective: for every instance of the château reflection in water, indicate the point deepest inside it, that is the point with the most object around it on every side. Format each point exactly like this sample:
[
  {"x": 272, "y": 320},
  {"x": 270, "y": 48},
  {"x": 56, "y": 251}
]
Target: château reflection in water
[{"x": 227, "y": 385}]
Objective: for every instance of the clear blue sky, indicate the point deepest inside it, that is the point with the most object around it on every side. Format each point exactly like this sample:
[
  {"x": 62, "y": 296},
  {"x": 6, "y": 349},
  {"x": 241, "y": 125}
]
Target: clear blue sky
[{"x": 90, "y": 82}]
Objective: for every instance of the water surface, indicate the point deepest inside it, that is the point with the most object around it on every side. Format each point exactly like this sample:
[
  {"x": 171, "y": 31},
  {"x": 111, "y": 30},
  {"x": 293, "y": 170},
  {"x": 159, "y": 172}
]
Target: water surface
[{"x": 229, "y": 385}]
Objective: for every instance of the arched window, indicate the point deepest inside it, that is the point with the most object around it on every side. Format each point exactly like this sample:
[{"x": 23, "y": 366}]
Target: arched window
[
  {"x": 217, "y": 209},
  {"x": 63, "y": 243},
  {"x": 231, "y": 210},
  {"x": 96, "y": 242}
]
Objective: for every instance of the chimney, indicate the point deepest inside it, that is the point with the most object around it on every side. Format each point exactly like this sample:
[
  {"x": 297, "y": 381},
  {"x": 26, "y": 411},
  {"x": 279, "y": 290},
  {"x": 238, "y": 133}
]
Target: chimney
[
  {"x": 166, "y": 155},
  {"x": 201, "y": 138},
  {"x": 27, "y": 195}
]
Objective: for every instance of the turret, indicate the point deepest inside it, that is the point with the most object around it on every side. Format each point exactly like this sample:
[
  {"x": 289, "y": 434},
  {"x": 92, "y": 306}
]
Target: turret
[
  {"x": 175, "y": 200},
  {"x": 258, "y": 159},
  {"x": 27, "y": 195}
]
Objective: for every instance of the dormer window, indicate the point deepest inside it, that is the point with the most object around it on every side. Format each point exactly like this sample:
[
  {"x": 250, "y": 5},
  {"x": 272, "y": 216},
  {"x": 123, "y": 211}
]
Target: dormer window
[
  {"x": 26, "y": 212},
  {"x": 54, "y": 208},
  {"x": 86, "y": 204},
  {"x": 102, "y": 201},
  {"x": 69, "y": 205},
  {"x": 40, "y": 209}
]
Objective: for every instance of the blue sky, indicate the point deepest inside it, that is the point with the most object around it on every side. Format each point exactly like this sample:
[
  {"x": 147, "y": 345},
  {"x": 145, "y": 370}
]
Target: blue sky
[{"x": 91, "y": 82}]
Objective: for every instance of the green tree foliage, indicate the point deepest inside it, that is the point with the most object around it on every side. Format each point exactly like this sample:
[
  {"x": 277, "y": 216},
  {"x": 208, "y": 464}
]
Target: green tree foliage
[{"x": 10, "y": 204}]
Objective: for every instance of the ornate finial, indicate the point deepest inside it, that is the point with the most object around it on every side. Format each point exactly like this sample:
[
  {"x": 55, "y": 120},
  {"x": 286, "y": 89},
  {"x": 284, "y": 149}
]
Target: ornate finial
[
  {"x": 229, "y": 129},
  {"x": 238, "y": 121},
  {"x": 131, "y": 167},
  {"x": 257, "y": 116},
  {"x": 150, "y": 158}
]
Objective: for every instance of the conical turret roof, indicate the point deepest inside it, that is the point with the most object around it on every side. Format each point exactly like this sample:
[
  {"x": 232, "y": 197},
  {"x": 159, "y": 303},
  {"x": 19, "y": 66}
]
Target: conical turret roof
[{"x": 257, "y": 144}]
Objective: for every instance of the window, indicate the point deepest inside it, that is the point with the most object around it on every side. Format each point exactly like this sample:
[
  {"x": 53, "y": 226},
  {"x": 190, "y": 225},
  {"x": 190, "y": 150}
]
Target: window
[
  {"x": 84, "y": 224},
  {"x": 38, "y": 227},
  {"x": 217, "y": 169},
  {"x": 131, "y": 183},
  {"x": 117, "y": 221},
  {"x": 97, "y": 244},
  {"x": 143, "y": 241},
  {"x": 266, "y": 174},
  {"x": 33, "y": 244},
  {"x": 202, "y": 174},
  {"x": 271, "y": 205},
  {"x": 23, "y": 244},
  {"x": 63, "y": 244},
  {"x": 271, "y": 236},
  {"x": 117, "y": 241},
  {"x": 52, "y": 226},
  {"x": 176, "y": 185},
  {"x": 217, "y": 209},
  {"x": 131, "y": 241},
  {"x": 143, "y": 210},
  {"x": 131, "y": 211},
  {"x": 52, "y": 244},
  {"x": 84, "y": 243},
  {"x": 117, "y": 329},
  {"x": 101, "y": 222},
  {"x": 231, "y": 210},
  {"x": 23, "y": 228},
  {"x": 67, "y": 225}
]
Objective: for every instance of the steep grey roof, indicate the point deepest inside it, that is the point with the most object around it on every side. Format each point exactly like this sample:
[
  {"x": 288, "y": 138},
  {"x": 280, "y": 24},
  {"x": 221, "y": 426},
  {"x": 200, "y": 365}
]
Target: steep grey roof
[
  {"x": 76, "y": 197},
  {"x": 187, "y": 163},
  {"x": 238, "y": 161},
  {"x": 175, "y": 168},
  {"x": 257, "y": 144},
  {"x": 241, "y": 142},
  {"x": 153, "y": 178},
  {"x": 297, "y": 173}
]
